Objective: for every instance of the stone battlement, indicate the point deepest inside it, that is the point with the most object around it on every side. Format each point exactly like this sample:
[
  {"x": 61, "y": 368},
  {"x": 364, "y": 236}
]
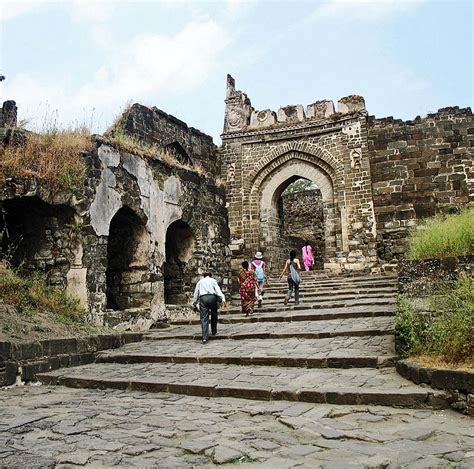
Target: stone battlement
[{"x": 241, "y": 116}]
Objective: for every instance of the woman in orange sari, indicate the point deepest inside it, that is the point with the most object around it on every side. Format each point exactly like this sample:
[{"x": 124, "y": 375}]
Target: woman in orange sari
[{"x": 247, "y": 282}]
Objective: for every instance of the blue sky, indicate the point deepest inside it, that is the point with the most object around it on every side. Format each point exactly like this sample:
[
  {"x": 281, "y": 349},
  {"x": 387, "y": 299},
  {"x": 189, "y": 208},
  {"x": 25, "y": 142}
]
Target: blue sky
[{"x": 82, "y": 61}]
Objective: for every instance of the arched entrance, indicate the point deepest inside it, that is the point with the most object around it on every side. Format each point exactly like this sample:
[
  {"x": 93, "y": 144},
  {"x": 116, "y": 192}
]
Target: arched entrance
[
  {"x": 302, "y": 218},
  {"x": 269, "y": 192},
  {"x": 127, "y": 262},
  {"x": 178, "y": 274}
]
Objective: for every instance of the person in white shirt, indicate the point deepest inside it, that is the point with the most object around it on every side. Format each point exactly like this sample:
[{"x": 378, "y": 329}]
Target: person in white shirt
[{"x": 207, "y": 293}]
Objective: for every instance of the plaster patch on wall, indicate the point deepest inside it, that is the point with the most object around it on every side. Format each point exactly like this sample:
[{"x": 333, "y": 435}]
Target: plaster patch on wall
[{"x": 107, "y": 200}]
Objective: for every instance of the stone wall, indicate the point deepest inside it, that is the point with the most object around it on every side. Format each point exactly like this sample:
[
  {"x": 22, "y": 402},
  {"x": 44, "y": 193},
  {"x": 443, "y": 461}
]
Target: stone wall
[
  {"x": 154, "y": 126},
  {"x": 304, "y": 221},
  {"x": 418, "y": 168},
  {"x": 263, "y": 154},
  {"x": 107, "y": 244}
]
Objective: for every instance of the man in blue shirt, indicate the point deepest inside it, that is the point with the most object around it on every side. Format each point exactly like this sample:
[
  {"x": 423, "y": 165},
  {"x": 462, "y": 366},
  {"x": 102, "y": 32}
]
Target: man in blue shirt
[{"x": 207, "y": 293}]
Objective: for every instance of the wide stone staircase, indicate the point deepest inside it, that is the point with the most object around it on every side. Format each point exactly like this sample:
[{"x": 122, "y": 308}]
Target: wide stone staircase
[{"x": 337, "y": 346}]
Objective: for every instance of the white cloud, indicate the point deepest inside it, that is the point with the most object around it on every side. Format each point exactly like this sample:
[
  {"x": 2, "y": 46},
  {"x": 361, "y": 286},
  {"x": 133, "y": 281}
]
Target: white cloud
[
  {"x": 150, "y": 65},
  {"x": 79, "y": 10},
  {"x": 363, "y": 9}
]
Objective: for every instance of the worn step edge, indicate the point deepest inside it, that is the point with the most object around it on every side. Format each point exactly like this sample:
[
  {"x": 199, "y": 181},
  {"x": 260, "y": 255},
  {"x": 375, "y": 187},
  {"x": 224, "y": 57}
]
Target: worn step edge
[
  {"x": 275, "y": 335},
  {"x": 275, "y": 307},
  {"x": 409, "y": 399},
  {"x": 301, "y": 362},
  {"x": 290, "y": 318},
  {"x": 327, "y": 296}
]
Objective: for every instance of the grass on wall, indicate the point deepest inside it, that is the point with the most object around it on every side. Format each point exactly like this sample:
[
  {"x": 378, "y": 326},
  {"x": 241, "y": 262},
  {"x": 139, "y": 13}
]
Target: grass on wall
[
  {"x": 30, "y": 309},
  {"x": 52, "y": 156},
  {"x": 444, "y": 236},
  {"x": 30, "y": 295},
  {"x": 442, "y": 331}
]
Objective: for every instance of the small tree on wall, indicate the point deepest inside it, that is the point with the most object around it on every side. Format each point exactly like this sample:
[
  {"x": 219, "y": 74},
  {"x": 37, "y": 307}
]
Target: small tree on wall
[{"x": 300, "y": 185}]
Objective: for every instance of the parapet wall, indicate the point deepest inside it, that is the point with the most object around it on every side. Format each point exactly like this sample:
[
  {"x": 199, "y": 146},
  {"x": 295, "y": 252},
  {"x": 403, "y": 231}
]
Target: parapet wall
[
  {"x": 419, "y": 168},
  {"x": 241, "y": 116}
]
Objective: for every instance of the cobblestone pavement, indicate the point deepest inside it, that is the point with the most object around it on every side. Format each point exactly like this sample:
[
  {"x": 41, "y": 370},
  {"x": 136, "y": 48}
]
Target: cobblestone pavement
[{"x": 44, "y": 427}]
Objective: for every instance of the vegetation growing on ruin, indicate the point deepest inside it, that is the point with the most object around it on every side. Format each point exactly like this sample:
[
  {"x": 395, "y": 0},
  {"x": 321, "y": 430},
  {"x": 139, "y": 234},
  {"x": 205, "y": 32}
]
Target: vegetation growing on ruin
[
  {"x": 33, "y": 309},
  {"x": 52, "y": 156},
  {"x": 439, "y": 328},
  {"x": 444, "y": 236},
  {"x": 300, "y": 185}
]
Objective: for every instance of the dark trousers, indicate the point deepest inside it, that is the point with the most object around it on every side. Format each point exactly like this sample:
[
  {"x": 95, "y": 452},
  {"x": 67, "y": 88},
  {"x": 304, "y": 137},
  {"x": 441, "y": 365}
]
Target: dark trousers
[
  {"x": 296, "y": 286},
  {"x": 208, "y": 307}
]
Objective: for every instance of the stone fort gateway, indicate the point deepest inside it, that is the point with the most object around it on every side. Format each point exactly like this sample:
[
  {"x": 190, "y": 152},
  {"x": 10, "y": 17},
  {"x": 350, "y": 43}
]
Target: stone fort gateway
[{"x": 140, "y": 232}]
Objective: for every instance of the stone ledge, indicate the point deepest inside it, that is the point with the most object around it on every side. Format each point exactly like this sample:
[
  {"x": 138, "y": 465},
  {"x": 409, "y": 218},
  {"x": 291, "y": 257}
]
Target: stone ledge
[
  {"x": 459, "y": 384},
  {"x": 24, "y": 360}
]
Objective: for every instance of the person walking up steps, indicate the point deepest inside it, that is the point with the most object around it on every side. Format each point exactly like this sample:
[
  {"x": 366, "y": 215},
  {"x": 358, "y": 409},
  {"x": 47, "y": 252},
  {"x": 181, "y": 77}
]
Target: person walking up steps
[
  {"x": 292, "y": 268},
  {"x": 259, "y": 267},
  {"x": 247, "y": 283},
  {"x": 308, "y": 259},
  {"x": 207, "y": 293}
]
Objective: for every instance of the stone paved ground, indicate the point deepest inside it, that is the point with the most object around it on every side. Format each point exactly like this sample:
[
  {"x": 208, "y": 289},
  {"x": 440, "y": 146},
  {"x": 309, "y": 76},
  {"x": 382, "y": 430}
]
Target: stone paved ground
[
  {"x": 61, "y": 427},
  {"x": 173, "y": 402}
]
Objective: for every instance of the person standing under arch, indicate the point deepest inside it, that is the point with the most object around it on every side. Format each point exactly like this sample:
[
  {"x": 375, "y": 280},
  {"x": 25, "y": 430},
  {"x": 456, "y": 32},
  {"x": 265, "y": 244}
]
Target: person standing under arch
[
  {"x": 259, "y": 267},
  {"x": 308, "y": 258},
  {"x": 292, "y": 268}
]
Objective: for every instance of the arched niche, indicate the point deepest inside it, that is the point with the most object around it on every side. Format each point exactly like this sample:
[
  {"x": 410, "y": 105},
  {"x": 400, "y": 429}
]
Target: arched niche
[
  {"x": 127, "y": 273},
  {"x": 36, "y": 236},
  {"x": 178, "y": 275}
]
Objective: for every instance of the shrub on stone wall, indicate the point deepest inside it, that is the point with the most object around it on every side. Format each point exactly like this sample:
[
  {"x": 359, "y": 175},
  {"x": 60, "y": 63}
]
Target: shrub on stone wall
[
  {"x": 440, "y": 326},
  {"x": 444, "y": 236},
  {"x": 53, "y": 156},
  {"x": 32, "y": 295}
]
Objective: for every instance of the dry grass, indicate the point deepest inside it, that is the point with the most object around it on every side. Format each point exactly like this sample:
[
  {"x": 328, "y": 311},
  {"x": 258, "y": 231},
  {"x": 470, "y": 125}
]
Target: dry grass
[
  {"x": 444, "y": 236},
  {"x": 52, "y": 157},
  {"x": 428, "y": 361}
]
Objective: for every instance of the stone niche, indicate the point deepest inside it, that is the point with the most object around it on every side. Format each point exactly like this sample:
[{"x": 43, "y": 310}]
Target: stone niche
[
  {"x": 292, "y": 113},
  {"x": 320, "y": 109},
  {"x": 263, "y": 118},
  {"x": 350, "y": 104}
]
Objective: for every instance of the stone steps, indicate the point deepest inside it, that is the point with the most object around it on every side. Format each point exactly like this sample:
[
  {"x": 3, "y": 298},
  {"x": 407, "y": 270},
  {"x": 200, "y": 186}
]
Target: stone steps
[
  {"x": 278, "y": 330},
  {"x": 337, "y": 347},
  {"x": 335, "y": 299},
  {"x": 361, "y": 386},
  {"x": 298, "y": 313},
  {"x": 334, "y": 352},
  {"x": 327, "y": 295},
  {"x": 280, "y": 307}
]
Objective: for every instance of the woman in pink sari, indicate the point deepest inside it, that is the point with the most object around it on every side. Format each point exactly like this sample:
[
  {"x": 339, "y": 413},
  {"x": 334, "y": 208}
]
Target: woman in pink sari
[{"x": 308, "y": 258}]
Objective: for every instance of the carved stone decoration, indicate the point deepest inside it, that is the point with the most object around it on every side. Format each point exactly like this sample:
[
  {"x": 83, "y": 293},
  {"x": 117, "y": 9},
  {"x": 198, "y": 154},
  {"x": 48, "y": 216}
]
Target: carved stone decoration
[
  {"x": 263, "y": 118},
  {"x": 291, "y": 113},
  {"x": 350, "y": 104},
  {"x": 356, "y": 158},
  {"x": 320, "y": 109},
  {"x": 238, "y": 108},
  {"x": 230, "y": 172}
]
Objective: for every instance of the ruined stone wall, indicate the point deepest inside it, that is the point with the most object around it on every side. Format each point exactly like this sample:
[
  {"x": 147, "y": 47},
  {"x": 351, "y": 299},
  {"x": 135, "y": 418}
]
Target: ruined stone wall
[
  {"x": 186, "y": 144},
  {"x": 304, "y": 221},
  {"x": 110, "y": 249},
  {"x": 419, "y": 168}
]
